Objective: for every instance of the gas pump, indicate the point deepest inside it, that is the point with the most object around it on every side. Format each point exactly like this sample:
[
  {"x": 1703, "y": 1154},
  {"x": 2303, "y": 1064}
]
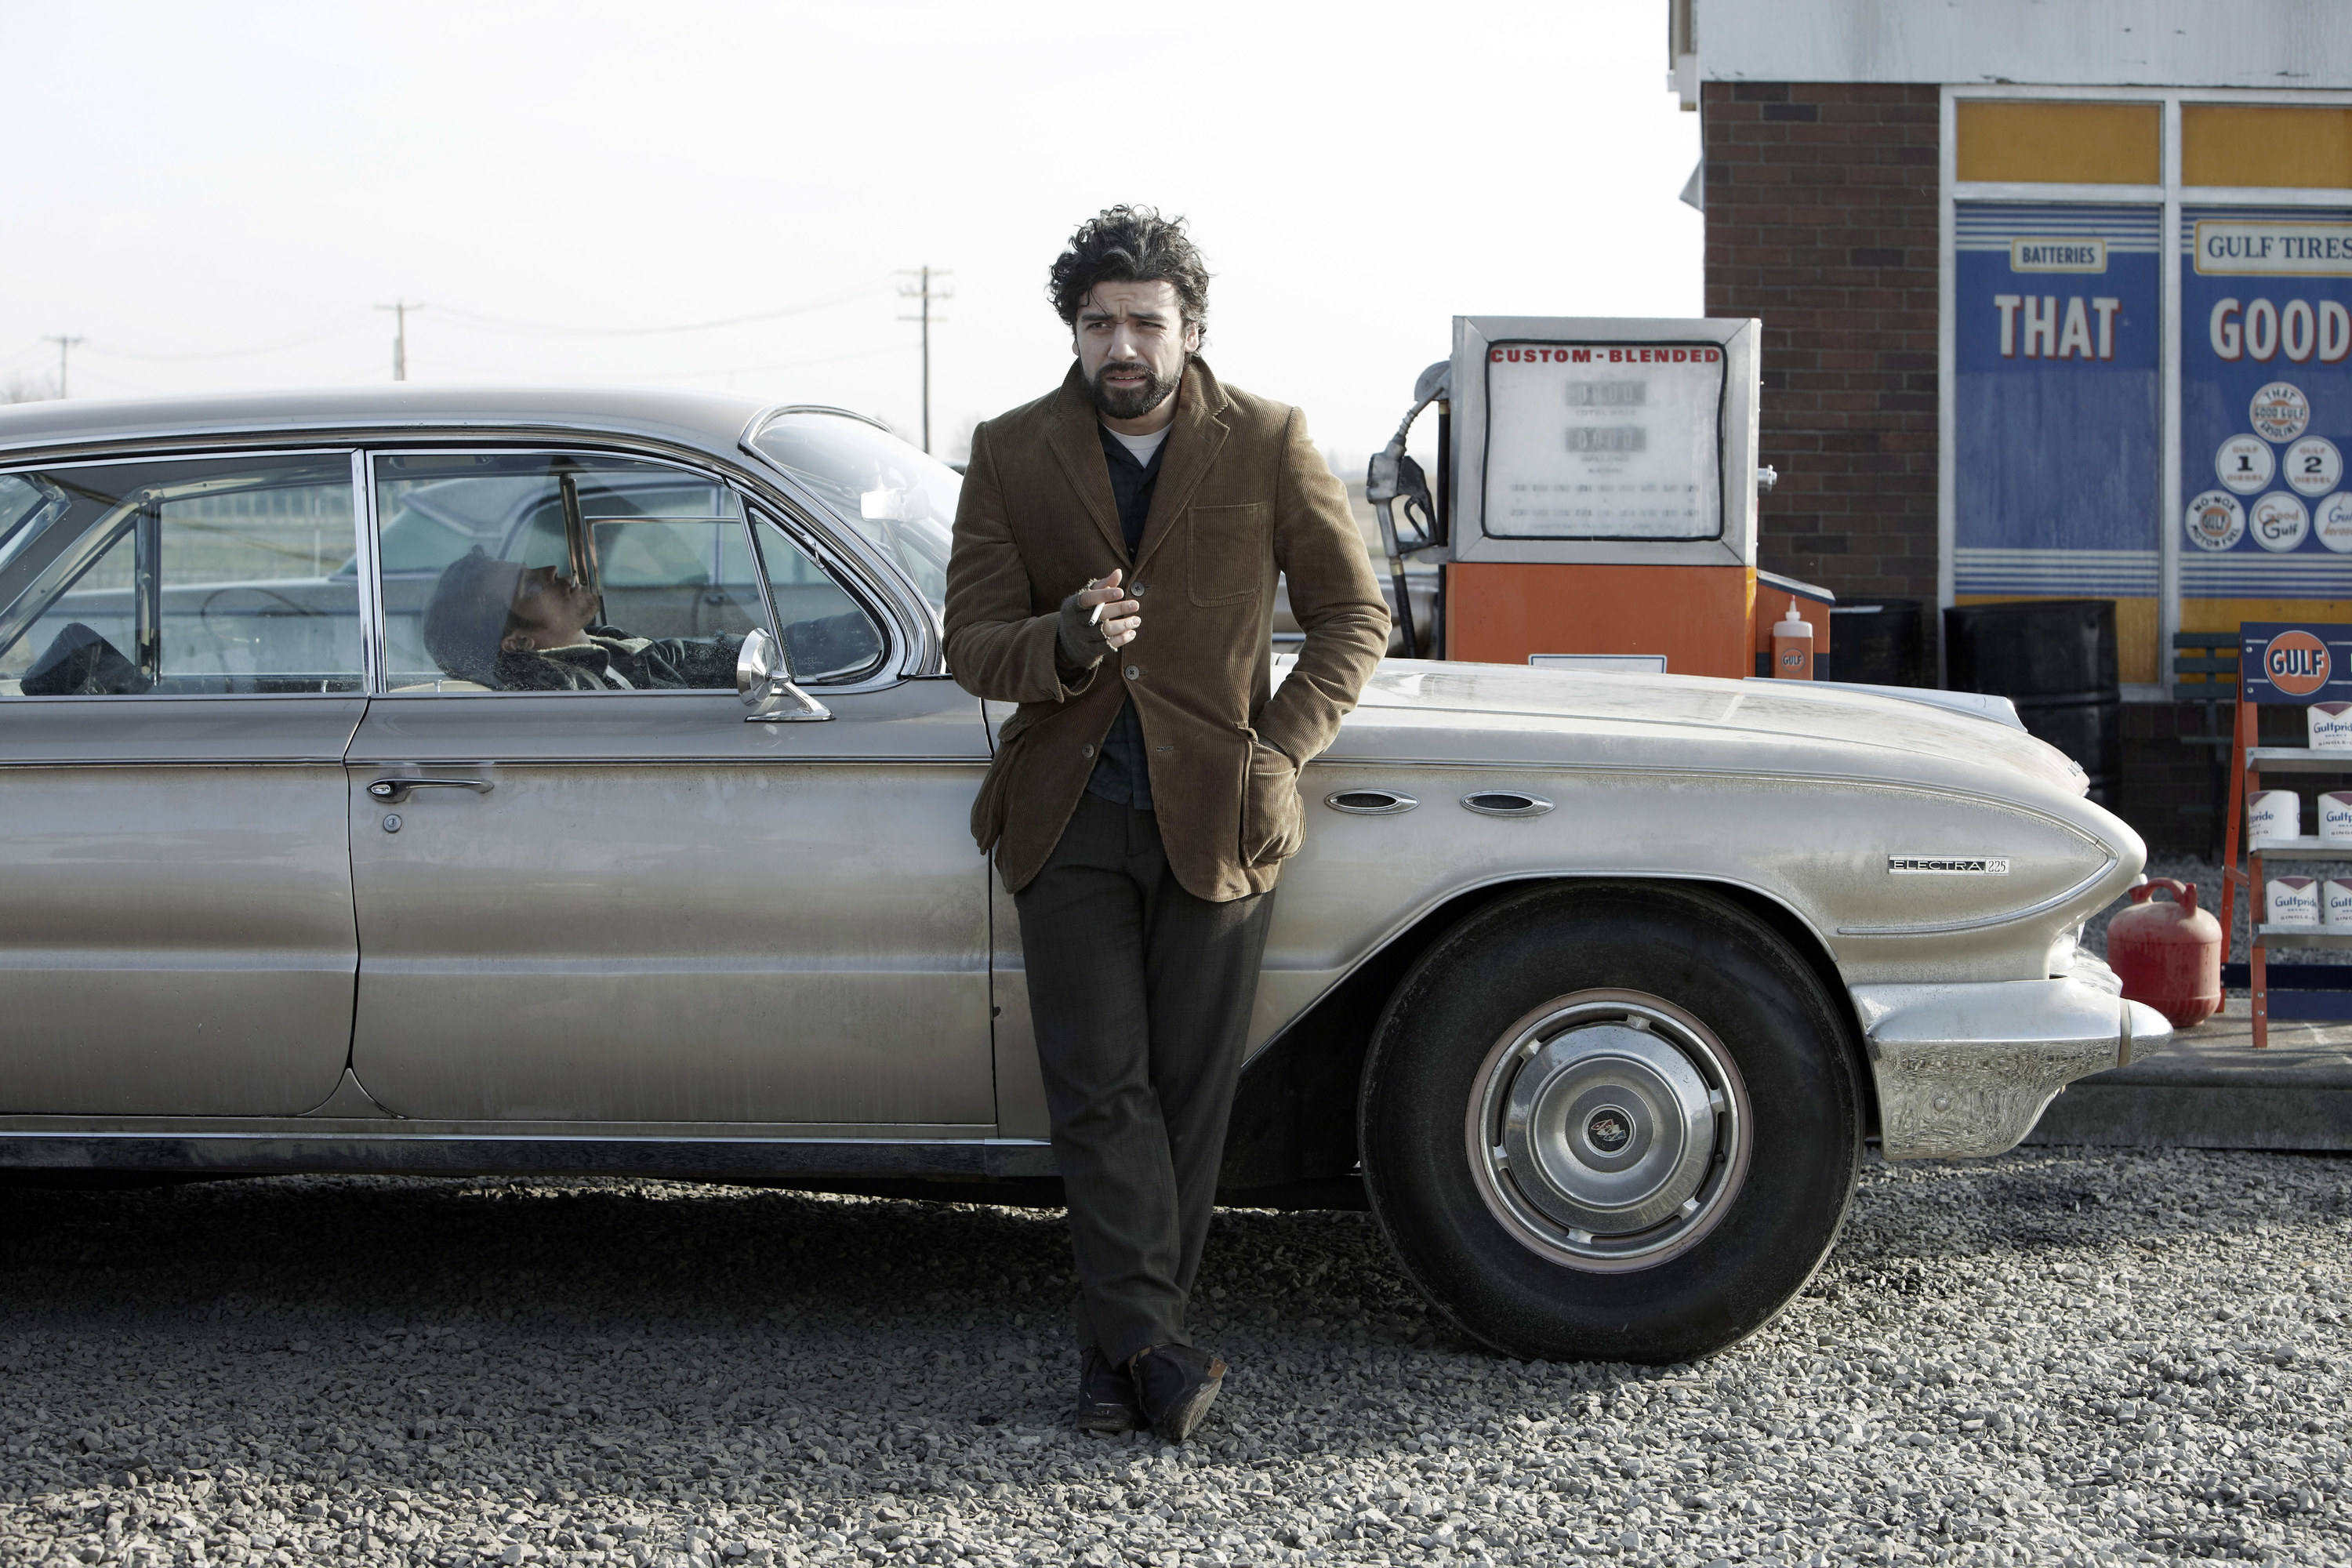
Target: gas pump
[{"x": 1596, "y": 501}]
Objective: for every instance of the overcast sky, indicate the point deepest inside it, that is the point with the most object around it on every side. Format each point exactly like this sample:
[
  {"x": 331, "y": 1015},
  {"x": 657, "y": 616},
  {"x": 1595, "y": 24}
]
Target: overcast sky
[{"x": 186, "y": 185}]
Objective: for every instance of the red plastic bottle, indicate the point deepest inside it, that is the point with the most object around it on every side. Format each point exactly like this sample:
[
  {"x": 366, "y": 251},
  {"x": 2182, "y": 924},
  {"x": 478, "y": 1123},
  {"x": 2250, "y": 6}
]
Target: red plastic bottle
[{"x": 2168, "y": 955}]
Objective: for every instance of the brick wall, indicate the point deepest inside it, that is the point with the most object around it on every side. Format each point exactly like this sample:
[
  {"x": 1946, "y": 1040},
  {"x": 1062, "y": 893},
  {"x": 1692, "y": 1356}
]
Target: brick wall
[
  {"x": 2172, "y": 792},
  {"x": 1821, "y": 220}
]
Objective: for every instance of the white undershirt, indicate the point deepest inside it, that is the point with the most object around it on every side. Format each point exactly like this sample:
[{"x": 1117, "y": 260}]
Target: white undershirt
[{"x": 1141, "y": 446}]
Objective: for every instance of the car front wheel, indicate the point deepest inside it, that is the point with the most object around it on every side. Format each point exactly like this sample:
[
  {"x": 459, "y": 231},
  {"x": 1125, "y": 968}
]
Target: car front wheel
[{"x": 1610, "y": 1121}]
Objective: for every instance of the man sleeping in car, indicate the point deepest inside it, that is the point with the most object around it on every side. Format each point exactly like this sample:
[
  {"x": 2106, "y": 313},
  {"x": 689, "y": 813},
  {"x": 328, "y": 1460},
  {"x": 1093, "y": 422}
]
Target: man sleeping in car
[{"x": 497, "y": 623}]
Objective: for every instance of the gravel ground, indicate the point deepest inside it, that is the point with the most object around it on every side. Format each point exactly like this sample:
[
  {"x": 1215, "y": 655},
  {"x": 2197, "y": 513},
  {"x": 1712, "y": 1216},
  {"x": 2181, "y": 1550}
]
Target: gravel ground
[{"x": 2050, "y": 1358}]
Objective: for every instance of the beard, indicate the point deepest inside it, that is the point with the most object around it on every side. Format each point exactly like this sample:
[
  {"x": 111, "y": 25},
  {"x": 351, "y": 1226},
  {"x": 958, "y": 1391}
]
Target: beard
[{"x": 1133, "y": 402}]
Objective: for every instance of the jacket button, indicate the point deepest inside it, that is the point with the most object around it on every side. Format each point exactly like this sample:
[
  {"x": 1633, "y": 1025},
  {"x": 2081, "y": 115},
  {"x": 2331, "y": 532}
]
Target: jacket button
[
  {"x": 1086, "y": 750},
  {"x": 1135, "y": 672},
  {"x": 1139, "y": 590}
]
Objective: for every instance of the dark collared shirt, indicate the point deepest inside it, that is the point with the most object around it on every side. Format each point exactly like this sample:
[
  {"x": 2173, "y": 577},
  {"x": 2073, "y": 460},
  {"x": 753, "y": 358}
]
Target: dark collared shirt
[{"x": 1122, "y": 773}]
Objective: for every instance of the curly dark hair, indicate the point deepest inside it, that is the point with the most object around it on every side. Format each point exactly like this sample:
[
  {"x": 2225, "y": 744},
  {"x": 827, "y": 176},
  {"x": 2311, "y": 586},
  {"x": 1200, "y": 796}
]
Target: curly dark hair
[{"x": 1130, "y": 244}]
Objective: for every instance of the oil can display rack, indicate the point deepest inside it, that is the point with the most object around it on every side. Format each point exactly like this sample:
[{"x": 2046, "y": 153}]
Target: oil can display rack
[{"x": 2304, "y": 1002}]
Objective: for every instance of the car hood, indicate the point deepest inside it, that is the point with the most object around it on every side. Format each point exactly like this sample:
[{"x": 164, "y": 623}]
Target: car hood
[{"x": 1577, "y": 717}]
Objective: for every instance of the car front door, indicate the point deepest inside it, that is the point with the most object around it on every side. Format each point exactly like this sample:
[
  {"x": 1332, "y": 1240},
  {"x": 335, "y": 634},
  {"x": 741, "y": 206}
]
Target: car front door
[
  {"x": 590, "y": 891},
  {"x": 179, "y": 672}
]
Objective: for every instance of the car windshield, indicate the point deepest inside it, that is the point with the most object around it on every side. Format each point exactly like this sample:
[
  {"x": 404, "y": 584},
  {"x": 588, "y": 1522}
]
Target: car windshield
[{"x": 898, "y": 496}]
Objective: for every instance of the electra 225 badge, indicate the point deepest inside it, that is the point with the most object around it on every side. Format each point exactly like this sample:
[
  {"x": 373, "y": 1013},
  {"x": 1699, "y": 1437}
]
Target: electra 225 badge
[
  {"x": 2298, "y": 662},
  {"x": 1948, "y": 865}
]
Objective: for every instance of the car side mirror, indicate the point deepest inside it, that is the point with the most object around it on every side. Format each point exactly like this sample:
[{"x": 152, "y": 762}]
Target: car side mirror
[{"x": 763, "y": 679}]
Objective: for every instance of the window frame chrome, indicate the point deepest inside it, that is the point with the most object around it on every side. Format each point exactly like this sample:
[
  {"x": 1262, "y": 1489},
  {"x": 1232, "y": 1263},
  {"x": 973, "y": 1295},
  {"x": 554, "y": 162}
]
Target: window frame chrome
[
  {"x": 755, "y": 514},
  {"x": 198, "y": 448},
  {"x": 369, "y": 562},
  {"x": 928, "y": 650}
]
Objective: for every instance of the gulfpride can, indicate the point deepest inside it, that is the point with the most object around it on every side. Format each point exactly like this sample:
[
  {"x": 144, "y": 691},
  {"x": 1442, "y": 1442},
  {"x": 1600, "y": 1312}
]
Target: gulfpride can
[
  {"x": 2336, "y": 903},
  {"x": 2336, "y": 816},
  {"x": 2293, "y": 902},
  {"x": 2331, "y": 724},
  {"x": 2274, "y": 814}
]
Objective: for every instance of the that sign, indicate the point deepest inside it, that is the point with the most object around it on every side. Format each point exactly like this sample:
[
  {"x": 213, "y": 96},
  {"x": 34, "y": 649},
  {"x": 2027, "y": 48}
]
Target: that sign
[
  {"x": 2056, "y": 335},
  {"x": 2297, "y": 663}
]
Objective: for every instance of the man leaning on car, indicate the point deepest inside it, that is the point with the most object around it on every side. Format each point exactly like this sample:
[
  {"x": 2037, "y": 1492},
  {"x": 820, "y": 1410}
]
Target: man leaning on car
[{"x": 1113, "y": 572}]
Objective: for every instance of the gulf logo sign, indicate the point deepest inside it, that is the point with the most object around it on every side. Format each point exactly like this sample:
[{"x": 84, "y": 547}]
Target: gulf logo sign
[{"x": 2297, "y": 663}]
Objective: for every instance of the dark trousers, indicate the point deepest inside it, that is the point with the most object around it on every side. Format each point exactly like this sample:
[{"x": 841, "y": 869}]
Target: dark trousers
[{"x": 1141, "y": 993}]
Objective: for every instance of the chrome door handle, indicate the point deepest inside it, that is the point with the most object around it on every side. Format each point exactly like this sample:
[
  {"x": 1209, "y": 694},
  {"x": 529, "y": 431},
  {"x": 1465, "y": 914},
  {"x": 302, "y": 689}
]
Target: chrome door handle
[
  {"x": 1505, "y": 802},
  {"x": 393, "y": 790},
  {"x": 1370, "y": 802}
]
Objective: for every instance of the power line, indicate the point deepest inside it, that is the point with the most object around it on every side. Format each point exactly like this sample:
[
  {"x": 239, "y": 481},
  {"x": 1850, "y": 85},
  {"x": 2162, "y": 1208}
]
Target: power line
[
  {"x": 921, "y": 289},
  {"x": 439, "y": 363},
  {"x": 348, "y": 322},
  {"x": 549, "y": 329}
]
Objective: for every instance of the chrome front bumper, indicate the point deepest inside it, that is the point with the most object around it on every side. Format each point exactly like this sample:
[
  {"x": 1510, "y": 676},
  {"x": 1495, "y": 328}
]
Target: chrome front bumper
[{"x": 1967, "y": 1069}]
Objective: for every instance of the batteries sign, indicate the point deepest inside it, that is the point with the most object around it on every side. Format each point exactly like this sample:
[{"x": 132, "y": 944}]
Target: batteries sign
[
  {"x": 2265, "y": 410},
  {"x": 1604, "y": 440}
]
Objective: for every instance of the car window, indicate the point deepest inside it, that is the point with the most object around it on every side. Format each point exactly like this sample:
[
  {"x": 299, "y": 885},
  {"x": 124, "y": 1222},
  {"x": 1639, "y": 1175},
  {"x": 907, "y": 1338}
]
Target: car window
[
  {"x": 179, "y": 576},
  {"x": 551, "y": 572},
  {"x": 827, "y": 634},
  {"x": 894, "y": 493}
]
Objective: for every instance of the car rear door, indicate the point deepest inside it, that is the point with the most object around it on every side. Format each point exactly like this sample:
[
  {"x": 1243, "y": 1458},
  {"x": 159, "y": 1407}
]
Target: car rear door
[
  {"x": 628, "y": 905},
  {"x": 179, "y": 672}
]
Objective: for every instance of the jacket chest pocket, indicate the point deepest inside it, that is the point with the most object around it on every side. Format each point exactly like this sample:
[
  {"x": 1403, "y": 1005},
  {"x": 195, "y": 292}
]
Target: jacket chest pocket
[{"x": 1229, "y": 550}]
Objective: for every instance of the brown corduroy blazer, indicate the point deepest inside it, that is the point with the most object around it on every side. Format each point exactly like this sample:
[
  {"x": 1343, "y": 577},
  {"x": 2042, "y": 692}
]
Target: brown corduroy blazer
[{"x": 1241, "y": 496}]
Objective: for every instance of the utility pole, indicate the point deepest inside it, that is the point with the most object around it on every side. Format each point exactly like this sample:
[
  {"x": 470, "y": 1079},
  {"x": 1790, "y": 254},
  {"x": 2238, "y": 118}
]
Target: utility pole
[
  {"x": 400, "y": 309},
  {"x": 65, "y": 347},
  {"x": 921, "y": 289}
]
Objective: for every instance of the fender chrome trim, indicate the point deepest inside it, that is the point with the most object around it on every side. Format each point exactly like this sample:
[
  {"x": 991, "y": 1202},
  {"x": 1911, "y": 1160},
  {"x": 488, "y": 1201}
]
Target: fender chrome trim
[
  {"x": 1965, "y": 1070},
  {"x": 1982, "y": 922}
]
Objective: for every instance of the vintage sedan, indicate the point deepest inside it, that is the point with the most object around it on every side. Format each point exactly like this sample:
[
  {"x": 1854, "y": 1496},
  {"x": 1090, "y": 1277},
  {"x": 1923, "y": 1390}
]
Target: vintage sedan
[{"x": 1592, "y": 985}]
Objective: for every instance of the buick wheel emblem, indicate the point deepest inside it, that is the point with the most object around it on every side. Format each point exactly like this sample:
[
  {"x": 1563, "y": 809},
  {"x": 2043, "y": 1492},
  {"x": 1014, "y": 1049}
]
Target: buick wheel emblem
[{"x": 1609, "y": 1129}]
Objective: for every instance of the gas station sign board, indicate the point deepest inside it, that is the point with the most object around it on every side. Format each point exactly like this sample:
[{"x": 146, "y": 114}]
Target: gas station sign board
[
  {"x": 1584, "y": 441},
  {"x": 1604, "y": 440},
  {"x": 2298, "y": 662}
]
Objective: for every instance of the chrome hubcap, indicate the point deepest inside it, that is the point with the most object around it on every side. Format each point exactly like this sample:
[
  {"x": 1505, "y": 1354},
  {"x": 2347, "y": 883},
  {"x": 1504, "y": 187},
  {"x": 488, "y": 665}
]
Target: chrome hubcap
[{"x": 1609, "y": 1131}]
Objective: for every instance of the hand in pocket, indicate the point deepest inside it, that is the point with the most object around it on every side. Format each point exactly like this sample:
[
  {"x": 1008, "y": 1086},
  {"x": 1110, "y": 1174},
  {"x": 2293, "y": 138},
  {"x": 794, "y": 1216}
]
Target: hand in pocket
[{"x": 1273, "y": 821}]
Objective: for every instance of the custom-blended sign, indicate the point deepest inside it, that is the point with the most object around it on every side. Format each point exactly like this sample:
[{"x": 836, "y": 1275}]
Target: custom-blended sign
[{"x": 2286, "y": 661}]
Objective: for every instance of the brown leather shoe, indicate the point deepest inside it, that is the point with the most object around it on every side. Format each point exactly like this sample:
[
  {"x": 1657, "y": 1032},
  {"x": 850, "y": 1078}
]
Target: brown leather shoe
[
  {"x": 1106, "y": 1396},
  {"x": 1175, "y": 1384}
]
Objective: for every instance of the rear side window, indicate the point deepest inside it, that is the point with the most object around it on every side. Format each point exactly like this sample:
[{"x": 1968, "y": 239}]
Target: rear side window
[{"x": 183, "y": 576}]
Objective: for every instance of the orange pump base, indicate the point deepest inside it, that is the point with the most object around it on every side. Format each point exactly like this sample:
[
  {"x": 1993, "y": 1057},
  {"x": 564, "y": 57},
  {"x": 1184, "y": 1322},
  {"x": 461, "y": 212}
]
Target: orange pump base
[{"x": 1705, "y": 620}]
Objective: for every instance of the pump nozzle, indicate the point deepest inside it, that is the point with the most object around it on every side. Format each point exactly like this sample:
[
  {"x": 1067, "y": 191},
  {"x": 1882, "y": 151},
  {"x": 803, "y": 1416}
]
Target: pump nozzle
[{"x": 1393, "y": 477}]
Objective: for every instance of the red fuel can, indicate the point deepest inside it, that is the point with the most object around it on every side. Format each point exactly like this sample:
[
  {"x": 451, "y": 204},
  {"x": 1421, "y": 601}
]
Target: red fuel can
[{"x": 2168, "y": 955}]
